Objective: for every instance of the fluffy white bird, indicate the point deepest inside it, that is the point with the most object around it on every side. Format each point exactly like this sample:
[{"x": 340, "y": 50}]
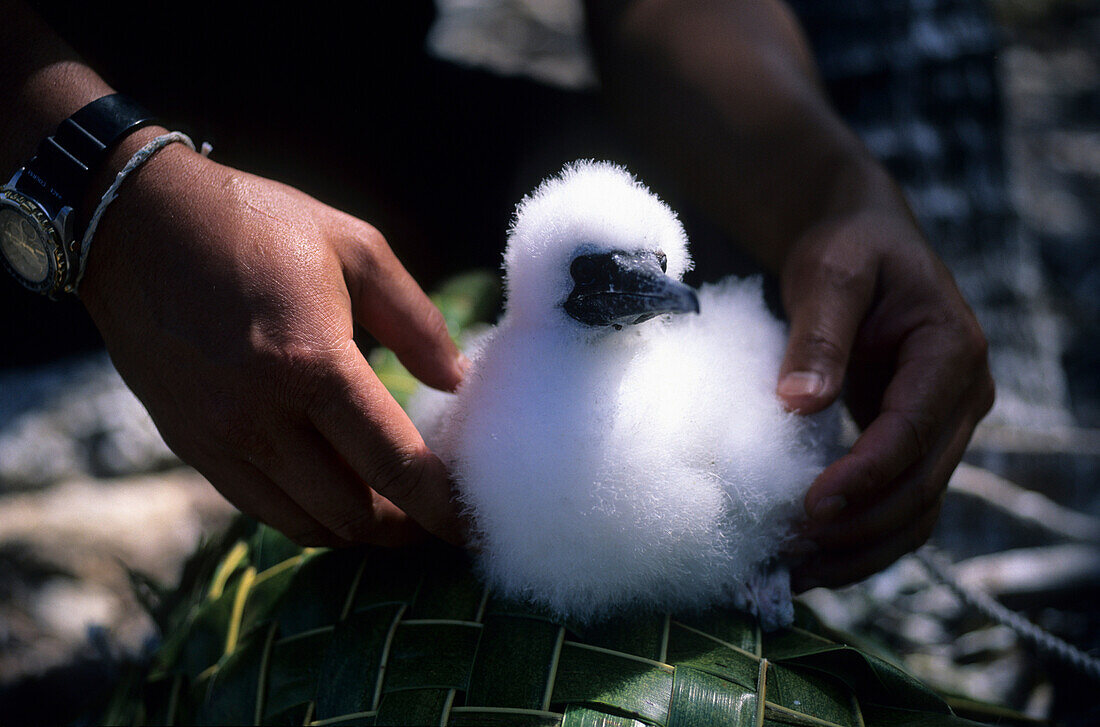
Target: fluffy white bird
[{"x": 617, "y": 440}]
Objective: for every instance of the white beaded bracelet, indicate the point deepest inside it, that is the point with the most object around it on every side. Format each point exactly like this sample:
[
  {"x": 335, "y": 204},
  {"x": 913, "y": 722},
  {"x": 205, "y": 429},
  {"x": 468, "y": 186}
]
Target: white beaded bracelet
[{"x": 140, "y": 157}]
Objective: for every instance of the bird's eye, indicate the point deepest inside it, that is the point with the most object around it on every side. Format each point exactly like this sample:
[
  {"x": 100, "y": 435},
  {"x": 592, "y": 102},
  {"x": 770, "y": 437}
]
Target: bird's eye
[
  {"x": 663, "y": 260},
  {"x": 583, "y": 270}
]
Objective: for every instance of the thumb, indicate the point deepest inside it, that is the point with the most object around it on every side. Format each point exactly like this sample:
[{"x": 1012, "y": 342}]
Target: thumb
[{"x": 826, "y": 307}]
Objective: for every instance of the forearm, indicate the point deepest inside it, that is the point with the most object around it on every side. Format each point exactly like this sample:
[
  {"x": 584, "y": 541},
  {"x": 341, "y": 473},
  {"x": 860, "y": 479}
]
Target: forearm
[
  {"x": 726, "y": 96},
  {"x": 43, "y": 83}
]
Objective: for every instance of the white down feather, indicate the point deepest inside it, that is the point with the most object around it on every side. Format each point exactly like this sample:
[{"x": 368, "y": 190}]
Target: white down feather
[{"x": 605, "y": 469}]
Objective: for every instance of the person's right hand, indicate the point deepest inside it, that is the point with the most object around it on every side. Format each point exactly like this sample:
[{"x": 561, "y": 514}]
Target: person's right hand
[
  {"x": 227, "y": 304},
  {"x": 867, "y": 297}
]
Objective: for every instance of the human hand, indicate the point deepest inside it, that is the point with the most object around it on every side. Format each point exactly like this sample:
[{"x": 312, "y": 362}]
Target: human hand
[
  {"x": 866, "y": 296},
  {"x": 227, "y": 304}
]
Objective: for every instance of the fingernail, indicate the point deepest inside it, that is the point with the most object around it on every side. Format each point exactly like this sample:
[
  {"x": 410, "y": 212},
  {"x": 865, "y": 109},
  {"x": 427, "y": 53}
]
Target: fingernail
[
  {"x": 828, "y": 508},
  {"x": 801, "y": 383},
  {"x": 463, "y": 363}
]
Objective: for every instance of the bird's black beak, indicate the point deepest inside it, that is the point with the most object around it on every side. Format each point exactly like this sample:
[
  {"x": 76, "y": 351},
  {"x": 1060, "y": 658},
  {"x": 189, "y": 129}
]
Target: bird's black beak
[{"x": 622, "y": 288}]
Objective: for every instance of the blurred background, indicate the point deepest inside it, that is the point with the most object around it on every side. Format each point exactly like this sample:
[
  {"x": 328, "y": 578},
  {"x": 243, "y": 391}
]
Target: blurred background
[{"x": 987, "y": 111}]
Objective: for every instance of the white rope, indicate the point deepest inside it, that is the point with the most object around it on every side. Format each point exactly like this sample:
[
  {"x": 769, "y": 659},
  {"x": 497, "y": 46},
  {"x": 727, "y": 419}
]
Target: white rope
[
  {"x": 140, "y": 157},
  {"x": 1039, "y": 638}
]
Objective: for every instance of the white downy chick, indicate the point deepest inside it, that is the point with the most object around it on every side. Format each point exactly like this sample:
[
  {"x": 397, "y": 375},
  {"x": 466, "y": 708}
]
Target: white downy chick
[{"x": 613, "y": 448}]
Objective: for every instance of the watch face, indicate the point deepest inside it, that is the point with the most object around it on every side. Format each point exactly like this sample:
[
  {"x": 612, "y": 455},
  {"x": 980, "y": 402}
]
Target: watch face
[{"x": 24, "y": 245}]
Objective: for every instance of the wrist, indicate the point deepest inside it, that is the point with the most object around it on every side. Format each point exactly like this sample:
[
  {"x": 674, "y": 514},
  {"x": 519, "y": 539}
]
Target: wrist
[
  {"x": 859, "y": 202},
  {"x": 40, "y": 242},
  {"x": 114, "y": 162},
  {"x": 129, "y": 224}
]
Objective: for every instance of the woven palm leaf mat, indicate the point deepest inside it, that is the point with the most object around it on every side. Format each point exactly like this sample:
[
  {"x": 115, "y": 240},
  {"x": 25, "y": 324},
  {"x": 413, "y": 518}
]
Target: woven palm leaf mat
[
  {"x": 264, "y": 632},
  {"x": 284, "y": 635}
]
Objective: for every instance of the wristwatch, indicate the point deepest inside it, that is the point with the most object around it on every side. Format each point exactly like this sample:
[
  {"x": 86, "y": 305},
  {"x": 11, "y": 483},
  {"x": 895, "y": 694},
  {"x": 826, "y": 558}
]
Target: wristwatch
[{"x": 38, "y": 240}]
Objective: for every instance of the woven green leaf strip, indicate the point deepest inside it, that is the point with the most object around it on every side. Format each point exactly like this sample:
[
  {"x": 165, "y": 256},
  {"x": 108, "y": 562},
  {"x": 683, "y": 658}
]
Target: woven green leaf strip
[{"x": 374, "y": 636}]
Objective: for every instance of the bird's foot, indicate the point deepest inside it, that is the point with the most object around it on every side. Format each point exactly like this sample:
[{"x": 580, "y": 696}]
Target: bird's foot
[{"x": 766, "y": 594}]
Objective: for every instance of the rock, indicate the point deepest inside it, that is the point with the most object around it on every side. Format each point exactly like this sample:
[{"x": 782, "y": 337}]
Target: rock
[
  {"x": 921, "y": 630},
  {"x": 984, "y": 644},
  {"x": 65, "y": 593},
  {"x": 1041, "y": 574},
  {"x": 543, "y": 40},
  {"x": 936, "y": 600},
  {"x": 1025, "y": 505},
  {"x": 997, "y": 682},
  {"x": 71, "y": 419}
]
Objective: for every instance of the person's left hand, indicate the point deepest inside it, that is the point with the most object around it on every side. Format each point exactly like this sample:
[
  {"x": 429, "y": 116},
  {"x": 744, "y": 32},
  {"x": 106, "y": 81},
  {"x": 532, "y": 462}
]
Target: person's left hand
[{"x": 867, "y": 296}]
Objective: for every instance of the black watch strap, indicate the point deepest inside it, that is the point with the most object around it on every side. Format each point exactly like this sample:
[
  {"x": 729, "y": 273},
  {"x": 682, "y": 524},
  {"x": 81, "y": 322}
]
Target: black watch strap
[{"x": 64, "y": 163}]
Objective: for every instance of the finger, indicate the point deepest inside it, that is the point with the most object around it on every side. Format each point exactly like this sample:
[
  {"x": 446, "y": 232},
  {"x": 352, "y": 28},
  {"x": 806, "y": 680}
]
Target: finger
[
  {"x": 916, "y": 406},
  {"x": 389, "y": 303},
  {"x": 826, "y": 302},
  {"x": 374, "y": 436},
  {"x": 839, "y": 568},
  {"x": 256, "y": 495},
  {"x": 919, "y": 489},
  {"x": 321, "y": 483}
]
